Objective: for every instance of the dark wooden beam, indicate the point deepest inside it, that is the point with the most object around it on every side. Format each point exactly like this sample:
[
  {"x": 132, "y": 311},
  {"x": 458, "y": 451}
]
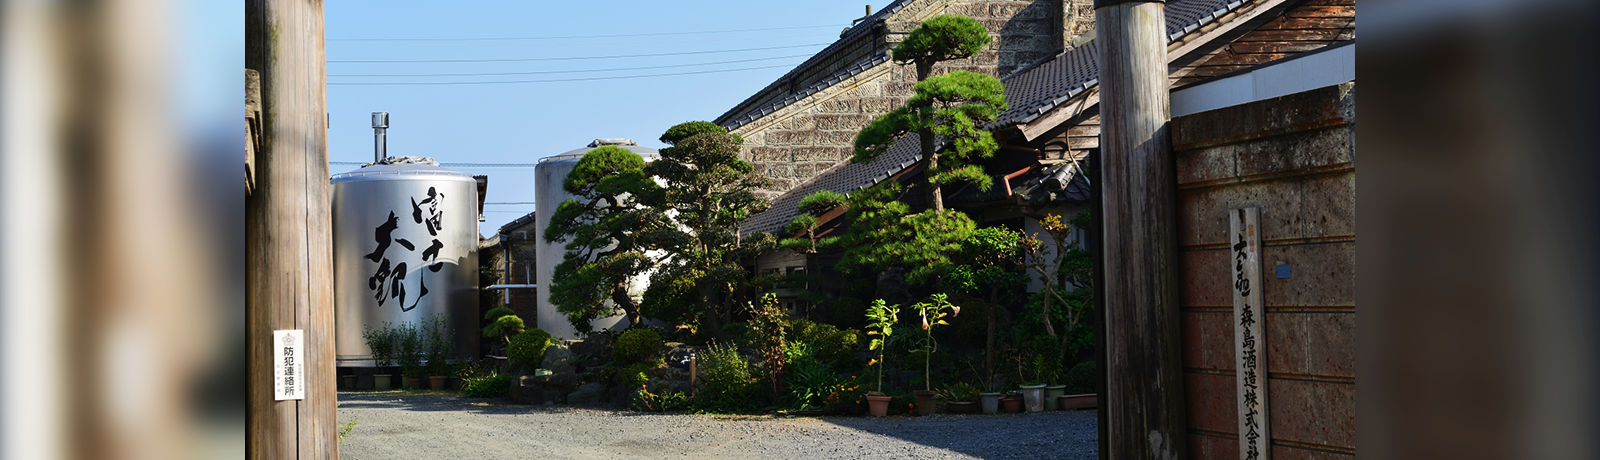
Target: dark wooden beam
[{"x": 1144, "y": 387}]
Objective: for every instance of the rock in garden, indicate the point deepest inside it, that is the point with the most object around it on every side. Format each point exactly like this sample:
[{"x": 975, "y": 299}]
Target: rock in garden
[
  {"x": 678, "y": 356},
  {"x": 528, "y": 391},
  {"x": 558, "y": 358},
  {"x": 594, "y": 344},
  {"x": 588, "y": 394}
]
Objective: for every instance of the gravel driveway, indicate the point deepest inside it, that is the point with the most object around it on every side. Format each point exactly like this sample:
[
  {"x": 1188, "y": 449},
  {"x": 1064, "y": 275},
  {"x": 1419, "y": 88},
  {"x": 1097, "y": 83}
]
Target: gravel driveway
[{"x": 446, "y": 426}]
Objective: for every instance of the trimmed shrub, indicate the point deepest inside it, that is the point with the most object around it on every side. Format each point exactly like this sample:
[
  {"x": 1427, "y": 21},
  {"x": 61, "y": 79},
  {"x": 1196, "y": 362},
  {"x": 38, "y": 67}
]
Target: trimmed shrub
[
  {"x": 528, "y": 347},
  {"x": 488, "y": 387},
  {"x": 1081, "y": 379},
  {"x": 833, "y": 347},
  {"x": 636, "y": 345},
  {"x": 634, "y": 375}
]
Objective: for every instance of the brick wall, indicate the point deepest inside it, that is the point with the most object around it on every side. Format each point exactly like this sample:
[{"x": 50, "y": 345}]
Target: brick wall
[
  {"x": 1294, "y": 157},
  {"x": 804, "y": 138}
]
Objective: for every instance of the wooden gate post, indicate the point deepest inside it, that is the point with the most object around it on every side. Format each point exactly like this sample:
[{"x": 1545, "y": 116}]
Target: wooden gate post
[
  {"x": 1144, "y": 387},
  {"x": 288, "y": 227}
]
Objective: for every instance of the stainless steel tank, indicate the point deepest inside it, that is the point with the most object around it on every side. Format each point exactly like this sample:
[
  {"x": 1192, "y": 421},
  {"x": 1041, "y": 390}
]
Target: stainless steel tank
[
  {"x": 405, "y": 242},
  {"x": 548, "y": 194}
]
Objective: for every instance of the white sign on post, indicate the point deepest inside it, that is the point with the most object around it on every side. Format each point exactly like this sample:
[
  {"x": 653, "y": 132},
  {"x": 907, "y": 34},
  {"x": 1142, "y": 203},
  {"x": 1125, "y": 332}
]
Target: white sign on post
[
  {"x": 1248, "y": 314},
  {"x": 288, "y": 365}
]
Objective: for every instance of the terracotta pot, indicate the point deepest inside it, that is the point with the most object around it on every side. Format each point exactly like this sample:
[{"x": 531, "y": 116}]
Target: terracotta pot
[
  {"x": 961, "y": 407},
  {"x": 1033, "y": 397},
  {"x": 878, "y": 405},
  {"x": 455, "y": 383},
  {"x": 437, "y": 381},
  {"x": 926, "y": 402},
  {"x": 413, "y": 383},
  {"x": 1070, "y": 402},
  {"x": 380, "y": 382},
  {"x": 1050, "y": 394},
  {"x": 991, "y": 402},
  {"x": 1012, "y": 405}
]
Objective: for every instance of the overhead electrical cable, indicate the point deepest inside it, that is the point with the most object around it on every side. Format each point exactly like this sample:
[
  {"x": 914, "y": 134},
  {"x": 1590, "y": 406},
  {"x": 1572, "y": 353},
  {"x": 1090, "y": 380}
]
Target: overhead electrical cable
[
  {"x": 564, "y": 71},
  {"x": 458, "y": 45},
  {"x": 574, "y": 58},
  {"x": 585, "y": 36},
  {"x": 435, "y": 83},
  {"x": 454, "y": 165}
]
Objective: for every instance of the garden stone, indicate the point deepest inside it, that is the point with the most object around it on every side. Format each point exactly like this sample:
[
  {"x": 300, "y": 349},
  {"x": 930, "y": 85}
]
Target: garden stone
[
  {"x": 558, "y": 359},
  {"x": 595, "y": 344},
  {"x": 529, "y": 391},
  {"x": 589, "y": 393},
  {"x": 678, "y": 356},
  {"x": 592, "y": 363}
]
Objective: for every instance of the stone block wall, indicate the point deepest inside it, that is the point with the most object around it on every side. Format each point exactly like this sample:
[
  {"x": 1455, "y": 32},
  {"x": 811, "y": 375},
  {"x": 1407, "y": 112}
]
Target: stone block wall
[
  {"x": 1294, "y": 157},
  {"x": 794, "y": 143}
]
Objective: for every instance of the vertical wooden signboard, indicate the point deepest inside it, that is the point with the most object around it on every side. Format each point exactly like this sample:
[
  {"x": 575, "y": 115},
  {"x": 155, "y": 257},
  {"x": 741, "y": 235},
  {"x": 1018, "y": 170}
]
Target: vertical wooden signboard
[{"x": 1248, "y": 314}]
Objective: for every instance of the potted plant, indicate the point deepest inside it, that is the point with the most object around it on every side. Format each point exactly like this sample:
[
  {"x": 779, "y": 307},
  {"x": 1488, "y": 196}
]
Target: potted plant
[
  {"x": 381, "y": 342},
  {"x": 882, "y": 317},
  {"x": 1012, "y": 402},
  {"x": 1079, "y": 385},
  {"x": 439, "y": 348},
  {"x": 933, "y": 313},
  {"x": 409, "y": 350},
  {"x": 990, "y": 398},
  {"x": 960, "y": 398}
]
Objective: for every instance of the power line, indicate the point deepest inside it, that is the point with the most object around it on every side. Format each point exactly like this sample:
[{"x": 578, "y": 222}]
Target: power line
[
  {"x": 582, "y": 36},
  {"x": 453, "y": 165},
  {"x": 563, "y": 71},
  {"x": 550, "y": 81},
  {"x": 573, "y": 58},
  {"x": 509, "y": 203},
  {"x": 458, "y": 45}
]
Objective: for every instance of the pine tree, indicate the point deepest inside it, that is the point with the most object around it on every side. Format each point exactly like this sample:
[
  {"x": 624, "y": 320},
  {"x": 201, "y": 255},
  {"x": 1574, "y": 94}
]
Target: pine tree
[{"x": 606, "y": 229}]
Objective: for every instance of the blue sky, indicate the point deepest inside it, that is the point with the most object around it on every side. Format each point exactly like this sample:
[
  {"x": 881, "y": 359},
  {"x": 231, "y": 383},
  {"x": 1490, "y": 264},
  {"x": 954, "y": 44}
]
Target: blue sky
[{"x": 521, "y": 123}]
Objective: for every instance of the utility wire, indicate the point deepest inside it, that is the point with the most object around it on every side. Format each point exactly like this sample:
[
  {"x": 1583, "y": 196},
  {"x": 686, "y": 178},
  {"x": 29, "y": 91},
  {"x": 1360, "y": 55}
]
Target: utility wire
[
  {"x": 573, "y": 58},
  {"x": 453, "y": 165},
  {"x": 510, "y": 203},
  {"x": 584, "y": 36},
  {"x": 458, "y": 45},
  {"x": 436, "y": 83},
  {"x": 563, "y": 71}
]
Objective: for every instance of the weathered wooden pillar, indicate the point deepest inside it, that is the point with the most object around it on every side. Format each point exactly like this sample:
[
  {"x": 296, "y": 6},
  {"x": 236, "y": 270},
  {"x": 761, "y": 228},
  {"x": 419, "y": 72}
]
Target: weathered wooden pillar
[
  {"x": 1144, "y": 387},
  {"x": 288, "y": 231}
]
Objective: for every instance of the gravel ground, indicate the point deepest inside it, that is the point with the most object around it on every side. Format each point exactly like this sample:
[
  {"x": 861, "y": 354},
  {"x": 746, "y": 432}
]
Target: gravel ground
[{"x": 446, "y": 426}]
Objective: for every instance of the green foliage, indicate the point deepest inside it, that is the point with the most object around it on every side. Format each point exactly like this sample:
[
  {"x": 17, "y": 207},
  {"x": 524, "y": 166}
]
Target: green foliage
[
  {"x": 635, "y": 375},
  {"x": 942, "y": 38},
  {"x": 831, "y": 346},
  {"x": 409, "y": 343},
  {"x": 848, "y": 397},
  {"x": 671, "y": 401},
  {"x": 1081, "y": 379},
  {"x": 505, "y": 327},
  {"x": 728, "y": 382},
  {"x": 737, "y": 332},
  {"x": 768, "y": 324},
  {"x": 810, "y": 386},
  {"x": 439, "y": 344},
  {"x": 381, "y": 342},
  {"x": 881, "y": 318},
  {"x": 801, "y": 223},
  {"x": 640, "y": 344},
  {"x": 959, "y": 391},
  {"x": 345, "y": 429},
  {"x": 954, "y": 106},
  {"x": 487, "y": 387},
  {"x": 496, "y": 312},
  {"x": 711, "y": 192},
  {"x": 528, "y": 347},
  {"x": 607, "y": 231},
  {"x": 821, "y": 202},
  {"x": 933, "y": 314}
]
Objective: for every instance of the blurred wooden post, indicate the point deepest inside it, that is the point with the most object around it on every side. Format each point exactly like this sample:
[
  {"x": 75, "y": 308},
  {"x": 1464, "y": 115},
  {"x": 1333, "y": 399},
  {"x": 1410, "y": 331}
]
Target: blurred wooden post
[
  {"x": 1144, "y": 392},
  {"x": 288, "y": 248}
]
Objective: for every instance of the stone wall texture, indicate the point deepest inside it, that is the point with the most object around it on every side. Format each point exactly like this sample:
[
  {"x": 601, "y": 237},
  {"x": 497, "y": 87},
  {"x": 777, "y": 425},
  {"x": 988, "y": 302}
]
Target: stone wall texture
[
  {"x": 804, "y": 138},
  {"x": 1294, "y": 157}
]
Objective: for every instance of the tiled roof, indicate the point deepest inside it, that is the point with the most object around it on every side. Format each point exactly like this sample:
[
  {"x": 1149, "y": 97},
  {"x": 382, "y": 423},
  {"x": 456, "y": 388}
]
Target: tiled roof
[
  {"x": 746, "y": 112},
  {"x": 1031, "y": 92},
  {"x": 515, "y": 224},
  {"x": 845, "y": 177}
]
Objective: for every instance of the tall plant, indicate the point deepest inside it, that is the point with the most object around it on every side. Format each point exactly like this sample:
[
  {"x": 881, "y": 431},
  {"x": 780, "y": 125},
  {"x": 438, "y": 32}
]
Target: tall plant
[
  {"x": 984, "y": 271},
  {"x": 606, "y": 228},
  {"x": 767, "y": 325},
  {"x": 1058, "y": 267},
  {"x": 381, "y": 342},
  {"x": 881, "y": 317},
  {"x": 440, "y": 344},
  {"x": 933, "y": 313},
  {"x": 409, "y": 348}
]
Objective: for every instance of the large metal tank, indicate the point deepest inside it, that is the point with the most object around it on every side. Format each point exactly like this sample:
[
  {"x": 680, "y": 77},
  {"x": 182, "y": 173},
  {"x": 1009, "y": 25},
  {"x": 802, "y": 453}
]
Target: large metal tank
[
  {"x": 405, "y": 242},
  {"x": 548, "y": 194}
]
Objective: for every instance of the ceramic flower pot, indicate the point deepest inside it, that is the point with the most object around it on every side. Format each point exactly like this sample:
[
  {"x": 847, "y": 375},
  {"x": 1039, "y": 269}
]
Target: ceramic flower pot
[
  {"x": 878, "y": 405},
  {"x": 1033, "y": 397},
  {"x": 990, "y": 402},
  {"x": 437, "y": 381},
  {"x": 1012, "y": 405},
  {"x": 926, "y": 401},
  {"x": 1050, "y": 394},
  {"x": 380, "y": 382},
  {"x": 413, "y": 383},
  {"x": 349, "y": 381},
  {"x": 961, "y": 407},
  {"x": 1070, "y": 402}
]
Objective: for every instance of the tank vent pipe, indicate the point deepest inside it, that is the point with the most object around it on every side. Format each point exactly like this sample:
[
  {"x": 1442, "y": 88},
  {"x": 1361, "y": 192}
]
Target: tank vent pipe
[{"x": 380, "y": 125}]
